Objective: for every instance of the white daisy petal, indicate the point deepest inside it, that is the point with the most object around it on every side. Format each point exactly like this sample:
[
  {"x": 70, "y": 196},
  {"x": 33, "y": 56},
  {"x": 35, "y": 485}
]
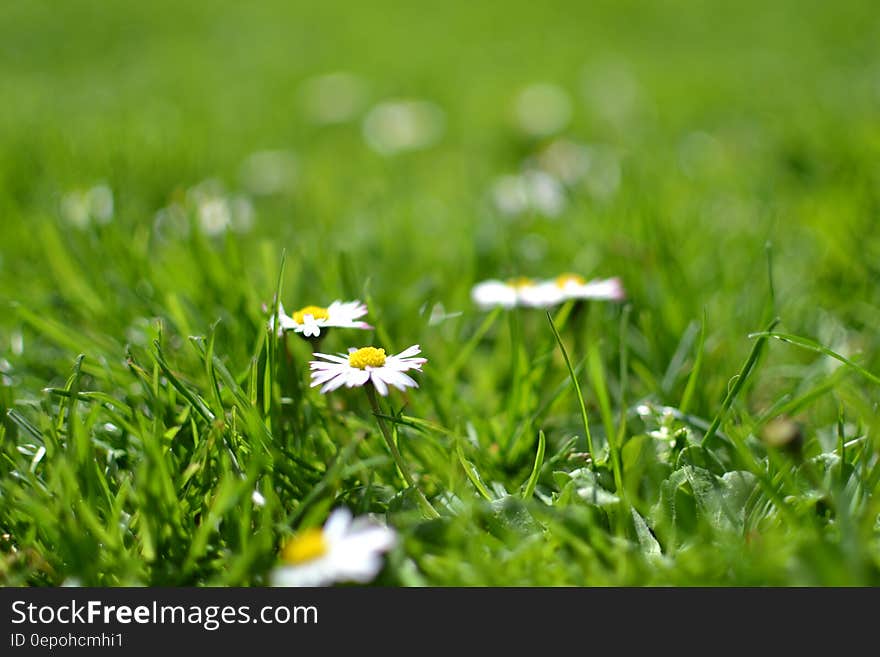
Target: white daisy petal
[
  {"x": 403, "y": 364},
  {"x": 336, "y": 359},
  {"x": 285, "y": 322},
  {"x": 376, "y": 379},
  {"x": 372, "y": 536},
  {"x": 542, "y": 295},
  {"x": 411, "y": 351},
  {"x": 489, "y": 294},
  {"x": 398, "y": 379},
  {"x": 335, "y": 383},
  {"x": 609, "y": 288},
  {"x": 323, "y": 377},
  {"x": 358, "y": 377},
  {"x": 338, "y": 523}
]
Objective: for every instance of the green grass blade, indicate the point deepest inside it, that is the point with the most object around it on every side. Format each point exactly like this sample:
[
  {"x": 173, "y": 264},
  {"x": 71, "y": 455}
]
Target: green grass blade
[
  {"x": 577, "y": 389},
  {"x": 536, "y": 469}
]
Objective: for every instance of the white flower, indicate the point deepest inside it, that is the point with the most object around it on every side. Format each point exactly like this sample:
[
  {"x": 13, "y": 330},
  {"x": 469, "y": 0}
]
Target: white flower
[
  {"x": 537, "y": 191},
  {"x": 214, "y": 216},
  {"x": 575, "y": 287},
  {"x": 507, "y": 294},
  {"x": 544, "y": 294},
  {"x": 572, "y": 286},
  {"x": 344, "y": 550},
  {"x": 80, "y": 208},
  {"x": 309, "y": 321},
  {"x": 367, "y": 364},
  {"x": 100, "y": 199}
]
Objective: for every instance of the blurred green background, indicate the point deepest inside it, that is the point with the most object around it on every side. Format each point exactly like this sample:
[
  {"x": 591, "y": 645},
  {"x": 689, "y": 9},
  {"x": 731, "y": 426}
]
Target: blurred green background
[{"x": 730, "y": 125}]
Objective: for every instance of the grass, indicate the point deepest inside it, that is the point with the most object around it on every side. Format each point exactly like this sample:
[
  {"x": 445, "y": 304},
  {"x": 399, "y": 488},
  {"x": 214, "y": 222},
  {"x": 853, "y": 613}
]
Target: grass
[{"x": 718, "y": 428}]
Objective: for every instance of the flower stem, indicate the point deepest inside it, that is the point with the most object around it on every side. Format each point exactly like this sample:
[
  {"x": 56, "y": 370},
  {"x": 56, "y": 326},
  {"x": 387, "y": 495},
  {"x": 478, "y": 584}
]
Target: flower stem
[{"x": 427, "y": 509}]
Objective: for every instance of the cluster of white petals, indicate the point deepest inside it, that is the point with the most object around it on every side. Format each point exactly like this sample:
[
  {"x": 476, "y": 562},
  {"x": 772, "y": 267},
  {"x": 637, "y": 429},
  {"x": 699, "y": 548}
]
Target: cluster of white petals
[{"x": 544, "y": 293}]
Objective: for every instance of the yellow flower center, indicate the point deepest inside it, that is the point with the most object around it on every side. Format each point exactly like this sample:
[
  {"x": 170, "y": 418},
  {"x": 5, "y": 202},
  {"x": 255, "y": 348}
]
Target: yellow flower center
[
  {"x": 565, "y": 279},
  {"x": 305, "y": 546},
  {"x": 315, "y": 311},
  {"x": 520, "y": 282},
  {"x": 367, "y": 357}
]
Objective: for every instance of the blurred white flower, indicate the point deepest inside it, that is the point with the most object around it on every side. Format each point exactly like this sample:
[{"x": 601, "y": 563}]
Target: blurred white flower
[
  {"x": 574, "y": 286},
  {"x": 506, "y": 294},
  {"x": 334, "y": 97},
  {"x": 403, "y": 125},
  {"x": 544, "y": 293},
  {"x": 16, "y": 342},
  {"x": 565, "y": 159},
  {"x": 546, "y": 195},
  {"x": 75, "y": 209},
  {"x": 80, "y": 208},
  {"x": 346, "y": 549},
  {"x": 595, "y": 167},
  {"x": 216, "y": 211},
  {"x": 542, "y": 109},
  {"x": 100, "y": 201},
  {"x": 214, "y": 216},
  {"x": 533, "y": 190},
  {"x": 269, "y": 172}
]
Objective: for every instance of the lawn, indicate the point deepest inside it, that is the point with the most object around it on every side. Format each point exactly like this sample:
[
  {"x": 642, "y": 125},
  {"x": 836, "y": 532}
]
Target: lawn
[{"x": 170, "y": 172}]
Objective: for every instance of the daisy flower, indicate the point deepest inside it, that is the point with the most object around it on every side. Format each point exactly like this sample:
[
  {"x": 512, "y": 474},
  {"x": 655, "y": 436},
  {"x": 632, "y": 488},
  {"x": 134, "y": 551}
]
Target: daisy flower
[
  {"x": 544, "y": 294},
  {"x": 367, "y": 364},
  {"x": 345, "y": 549},
  {"x": 310, "y": 320},
  {"x": 507, "y": 294},
  {"x": 573, "y": 286}
]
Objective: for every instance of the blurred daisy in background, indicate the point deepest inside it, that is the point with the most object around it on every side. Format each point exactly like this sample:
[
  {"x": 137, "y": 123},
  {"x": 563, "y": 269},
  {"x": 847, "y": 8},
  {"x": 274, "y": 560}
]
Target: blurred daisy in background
[
  {"x": 216, "y": 211},
  {"x": 565, "y": 159},
  {"x": 366, "y": 365},
  {"x": 336, "y": 97},
  {"x": 533, "y": 190},
  {"x": 573, "y": 286},
  {"x": 506, "y": 294},
  {"x": 544, "y": 293},
  {"x": 403, "y": 125},
  {"x": 207, "y": 206},
  {"x": 81, "y": 208},
  {"x": 345, "y": 549},
  {"x": 309, "y": 321},
  {"x": 594, "y": 168}
]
